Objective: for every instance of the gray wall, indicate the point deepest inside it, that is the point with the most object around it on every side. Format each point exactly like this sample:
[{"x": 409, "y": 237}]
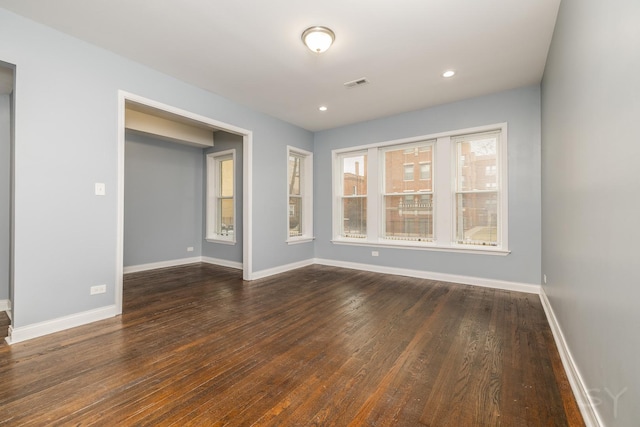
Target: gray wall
[
  {"x": 225, "y": 141},
  {"x": 66, "y": 140},
  {"x": 162, "y": 200},
  {"x": 5, "y": 195},
  {"x": 590, "y": 185},
  {"x": 271, "y": 205},
  {"x": 520, "y": 108}
]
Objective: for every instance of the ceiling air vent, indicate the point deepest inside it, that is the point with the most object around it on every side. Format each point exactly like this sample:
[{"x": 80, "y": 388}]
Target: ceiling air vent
[{"x": 357, "y": 82}]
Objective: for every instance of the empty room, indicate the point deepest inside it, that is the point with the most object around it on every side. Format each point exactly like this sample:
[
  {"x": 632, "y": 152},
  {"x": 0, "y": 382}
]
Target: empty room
[{"x": 344, "y": 213}]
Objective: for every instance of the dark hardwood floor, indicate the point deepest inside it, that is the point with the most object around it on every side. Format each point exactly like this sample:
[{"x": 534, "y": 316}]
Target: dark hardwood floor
[{"x": 316, "y": 346}]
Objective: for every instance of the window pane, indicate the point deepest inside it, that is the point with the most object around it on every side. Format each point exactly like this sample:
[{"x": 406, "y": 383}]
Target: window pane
[
  {"x": 295, "y": 217},
  {"x": 226, "y": 178},
  {"x": 220, "y": 216},
  {"x": 354, "y": 175},
  {"x": 409, "y": 217},
  {"x": 354, "y": 217},
  {"x": 400, "y": 169},
  {"x": 225, "y": 217},
  {"x": 476, "y": 218},
  {"x": 295, "y": 165},
  {"x": 408, "y": 172},
  {"x": 477, "y": 164},
  {"x": 425, "y": 172}
]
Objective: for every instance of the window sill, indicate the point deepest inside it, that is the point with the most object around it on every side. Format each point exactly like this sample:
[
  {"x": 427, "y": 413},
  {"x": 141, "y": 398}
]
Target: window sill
[
  {"x": 298, "y": 240},
  {"x": 220, "y": 241},
  {"x": 482, "y": 250}
]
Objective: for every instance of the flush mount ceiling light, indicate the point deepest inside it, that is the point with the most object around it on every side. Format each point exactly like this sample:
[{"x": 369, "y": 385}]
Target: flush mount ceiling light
[
  {"x": 318, "y": 39},
  {"x": 449, "y": 73},
  {"x": 322, "y": 108}
]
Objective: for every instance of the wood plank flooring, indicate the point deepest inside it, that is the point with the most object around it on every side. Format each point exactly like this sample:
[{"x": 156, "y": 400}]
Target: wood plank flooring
[{"x": 318, "y": 346}]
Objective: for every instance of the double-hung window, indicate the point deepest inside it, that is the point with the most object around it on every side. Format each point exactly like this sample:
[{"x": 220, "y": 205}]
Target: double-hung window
[
  {"x": 353, "y": 195},
  {"x": 300, "y": 195},
  {"x": 407, "y": 199},
  {"x": 221, "y": 215},
  {"x": 477, "y": 189},
  {"x": 446, "y": 191}
]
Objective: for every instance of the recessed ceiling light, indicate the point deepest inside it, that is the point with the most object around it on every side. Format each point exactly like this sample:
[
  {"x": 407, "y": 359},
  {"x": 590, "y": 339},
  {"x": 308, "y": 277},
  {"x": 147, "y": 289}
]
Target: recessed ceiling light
[
  {"x": 322, "y": 108},
  {"x": 449, "y": 73}
]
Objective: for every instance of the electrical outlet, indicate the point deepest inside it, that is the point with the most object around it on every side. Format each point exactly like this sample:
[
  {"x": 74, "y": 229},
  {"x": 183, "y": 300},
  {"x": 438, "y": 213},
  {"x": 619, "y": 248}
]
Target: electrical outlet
[
  {"x": 190, "y": 249},
  {"x": 98, "y": 289},
  {"x": 375, "y": 253}
]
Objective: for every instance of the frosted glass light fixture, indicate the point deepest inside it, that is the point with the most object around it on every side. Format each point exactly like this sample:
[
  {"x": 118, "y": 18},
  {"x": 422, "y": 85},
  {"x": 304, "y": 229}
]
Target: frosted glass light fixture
[{"x": 318, "y": 39}]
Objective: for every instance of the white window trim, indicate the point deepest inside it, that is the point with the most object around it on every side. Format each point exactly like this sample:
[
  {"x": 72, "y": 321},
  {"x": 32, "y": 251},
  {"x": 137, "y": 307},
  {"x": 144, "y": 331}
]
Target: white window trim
[
  {"x": 443, "y": 170},
  {"x": 212, "y": 190},
  {"x": 307, "y": 197}
]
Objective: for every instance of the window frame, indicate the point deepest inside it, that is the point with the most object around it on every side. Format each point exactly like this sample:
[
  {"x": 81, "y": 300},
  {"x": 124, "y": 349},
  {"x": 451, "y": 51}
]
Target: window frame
[
  {"x": 306, "y": 196},
  {"x": 214, "y": 160},
  {"x": 443, "y": 171}
]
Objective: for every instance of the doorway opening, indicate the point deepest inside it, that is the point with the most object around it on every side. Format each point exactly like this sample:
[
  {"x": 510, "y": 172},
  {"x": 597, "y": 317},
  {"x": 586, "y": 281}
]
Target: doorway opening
[
  {"x": 129, "y": 102},
  {"x": 7, "y": 126}
]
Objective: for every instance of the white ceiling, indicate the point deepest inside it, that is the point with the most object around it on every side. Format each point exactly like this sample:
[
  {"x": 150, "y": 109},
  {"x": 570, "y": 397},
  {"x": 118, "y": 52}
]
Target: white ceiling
[{"x": 250, "y": 51}]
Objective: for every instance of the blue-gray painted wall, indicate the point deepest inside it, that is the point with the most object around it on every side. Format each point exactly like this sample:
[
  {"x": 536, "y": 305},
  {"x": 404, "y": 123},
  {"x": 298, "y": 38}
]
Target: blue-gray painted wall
[
  {"x": 66, "y": 132},
  {"x": 163, "y": 205},
  {"x": 226, "y": 141},
  {"x": 591, "y": 204},
  {"x": 270, "y": 204},
  {"x": 165, "y": 200},
  {"x": 520, "y": 109}
]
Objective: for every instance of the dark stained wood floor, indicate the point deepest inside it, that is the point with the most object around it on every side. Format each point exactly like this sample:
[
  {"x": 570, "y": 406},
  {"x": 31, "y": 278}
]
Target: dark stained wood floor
[{"x": 316, "y": 346}]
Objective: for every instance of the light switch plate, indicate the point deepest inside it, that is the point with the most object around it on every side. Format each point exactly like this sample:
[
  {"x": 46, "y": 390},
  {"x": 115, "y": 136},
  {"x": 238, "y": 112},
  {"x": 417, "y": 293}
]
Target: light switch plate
[{"x": 101, "y": 189}]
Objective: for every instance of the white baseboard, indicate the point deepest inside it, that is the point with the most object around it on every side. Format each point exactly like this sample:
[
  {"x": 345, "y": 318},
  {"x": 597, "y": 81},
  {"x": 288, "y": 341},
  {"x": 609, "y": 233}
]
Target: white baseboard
[
  {"x": 182, "y": 261},
  {"x": 280, "y": 269},
  {"x": 36, "y": 330},
  {"x": 161, "y": 264},
  {"x": 466, "y": 280},
  {"x": 222, "y": 262},
  {"x": 443, "y": 277},
  {"x": 5, "y": 305},
  {"x": 578, "y": 386}
]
